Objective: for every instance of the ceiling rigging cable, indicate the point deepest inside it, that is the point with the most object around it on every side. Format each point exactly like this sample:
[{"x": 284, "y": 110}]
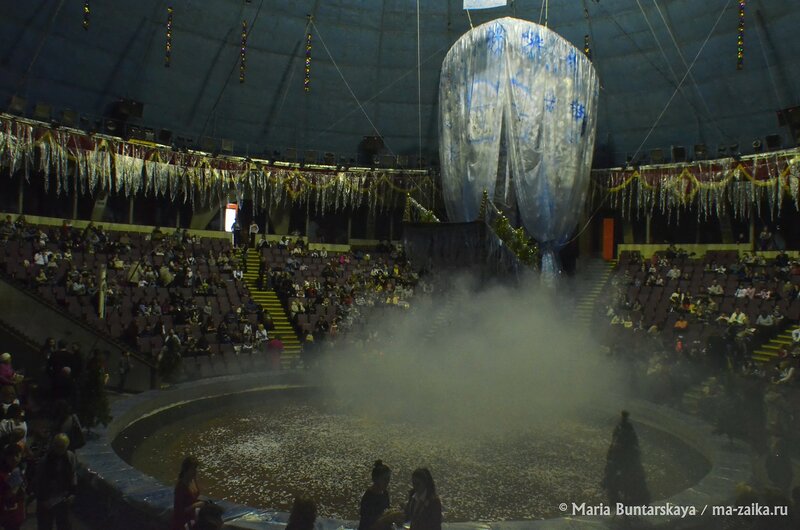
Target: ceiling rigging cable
[
  {"x": 688, "y": 71},
  {"x": 291, "y": 76},
  {"x": 419, "y": 92},
  {"x": 344, "y": 116},
  {"x": 770, "y": 73},
  {"x": 544, "y": 11},
  {"x": 360, "y": 106},
  {"x": 46, "y": 34},
  {"x": 706, "y": 108},
  {"x": 235, "y": 65}
]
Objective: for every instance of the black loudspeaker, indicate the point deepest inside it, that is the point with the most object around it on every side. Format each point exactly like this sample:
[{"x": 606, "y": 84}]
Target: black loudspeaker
[
  {"x": 773, "y": 141},
  {"x": 208, "y": 144},
  {"x": 17, "y": 105},
  {"x": 789, "y": 116},
  {"x": 656, "y": 156},
  {"x": 112, "y": 127},
  {"x": 131, "y": 108},
  {"x": 69, "y": 118},
  {"x": 165, "y": 137},
  {"x": 368, "y": 149},
  {"x": 700, "y": 152},
  {"x": 678, "y": 153},
  {"x": 134, "y": 132},
  {"x": 42, "y": 112}
]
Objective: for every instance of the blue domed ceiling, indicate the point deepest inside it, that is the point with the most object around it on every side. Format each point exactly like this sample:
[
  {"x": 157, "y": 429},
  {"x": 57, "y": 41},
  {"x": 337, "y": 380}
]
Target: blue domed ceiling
[{"x": 365, "y": 83}]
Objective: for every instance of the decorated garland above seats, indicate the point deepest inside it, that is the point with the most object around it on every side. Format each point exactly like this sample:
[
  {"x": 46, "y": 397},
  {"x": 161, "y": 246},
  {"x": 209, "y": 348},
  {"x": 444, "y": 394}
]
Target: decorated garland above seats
[
  {"x": 715, "y": 187},
  {"x": 103, "y": 163}
]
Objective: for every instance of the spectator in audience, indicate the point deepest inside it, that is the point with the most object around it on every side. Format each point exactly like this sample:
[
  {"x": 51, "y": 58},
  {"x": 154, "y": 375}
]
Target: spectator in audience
[
  {"x": 124, "y": 369},
  {"x": 209, "y": 517},
  {"x": 765, "y": 324},
  {"x": 303, "y": 514},
  {"x": 275, "y": 351},
  {"x": 12, "y": 488},
  {"x": 253, "y": 231},
  {"x": 674, "y": 273},
  {"x": 8, "y": 397},
  {"x": 424, "y": 509},
  {"x": 14, "y": 428},
  {"x": 786, "y": 372},
  {"x": 236, "y": 229},
  {"x": 94, "y": 408},
  {"x": 56, "y": 482},
  {"x": 187, "y": 495},
  {"x": 715, "y": 289},
  {"x": 261, "y": 336},
  {"x": 7, "y": 374},
  {"x": 764, "y": 238},
  {"x": 375, "y": 500},
  {"x": 156, "y": 235}
]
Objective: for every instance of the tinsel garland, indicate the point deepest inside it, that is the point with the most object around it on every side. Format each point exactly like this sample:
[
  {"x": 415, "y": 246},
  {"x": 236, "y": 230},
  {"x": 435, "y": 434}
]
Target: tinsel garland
[
  {"x": 757, "y": 185},
  {"x": 109, "y": 164},
  {"x": 415, "y": 212}
]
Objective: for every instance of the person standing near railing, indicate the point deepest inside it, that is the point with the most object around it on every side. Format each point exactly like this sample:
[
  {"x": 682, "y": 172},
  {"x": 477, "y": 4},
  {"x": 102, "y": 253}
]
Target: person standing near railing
[
  {"x": 236, "y": 231},
  {"x": 253, "y": 231}
]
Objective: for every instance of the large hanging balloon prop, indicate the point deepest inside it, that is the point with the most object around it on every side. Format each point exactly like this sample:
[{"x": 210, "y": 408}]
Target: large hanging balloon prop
[{"x": 520, "y": 83}]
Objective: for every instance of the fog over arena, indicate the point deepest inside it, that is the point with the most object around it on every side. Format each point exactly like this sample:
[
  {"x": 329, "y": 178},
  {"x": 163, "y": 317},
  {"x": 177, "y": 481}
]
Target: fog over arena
[{"x": 498, "y": 359}]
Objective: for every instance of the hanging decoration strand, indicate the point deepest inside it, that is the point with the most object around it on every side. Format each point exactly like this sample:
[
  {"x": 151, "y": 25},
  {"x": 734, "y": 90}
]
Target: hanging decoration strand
[
  {"x": 87, "y": 11},
  {"x": 243, "y": 53},
  {"x": 307, "y": 79},
  {"x": 587, "y": 48},
  {"x": 168, "y": 45},
  {"x": 740, "y": 37}
]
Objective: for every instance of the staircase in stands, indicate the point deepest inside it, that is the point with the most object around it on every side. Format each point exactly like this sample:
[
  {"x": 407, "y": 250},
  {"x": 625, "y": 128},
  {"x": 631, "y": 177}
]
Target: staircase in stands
[
  {"x": 590, "y": 281},
  {"x": 769, "y": 350},
  {"x": 268, "y": 299}
]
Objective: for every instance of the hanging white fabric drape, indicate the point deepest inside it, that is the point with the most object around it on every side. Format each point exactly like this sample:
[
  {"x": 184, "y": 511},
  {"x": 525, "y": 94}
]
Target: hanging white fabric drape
[
  {"x": 524, "y": 83},
  {"x": 471, "y": 118}
]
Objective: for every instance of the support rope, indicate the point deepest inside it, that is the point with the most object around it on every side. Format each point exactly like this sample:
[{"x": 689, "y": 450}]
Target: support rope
[
  {"x": 360, "y": 106},
  {"x": 691, "y": 76},
  {"x": 688, "y": 71},
  {"x": 419, "y": 91}
]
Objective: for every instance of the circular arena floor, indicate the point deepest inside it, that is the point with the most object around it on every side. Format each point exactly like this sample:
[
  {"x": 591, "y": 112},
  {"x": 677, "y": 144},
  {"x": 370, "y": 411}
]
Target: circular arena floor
[{"x": 262, "y": 440}]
